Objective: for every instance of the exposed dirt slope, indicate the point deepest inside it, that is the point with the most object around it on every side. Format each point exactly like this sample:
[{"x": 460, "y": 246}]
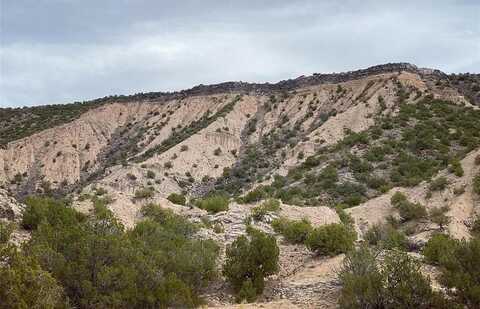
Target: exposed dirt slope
[{"x": 115, "y": 132}]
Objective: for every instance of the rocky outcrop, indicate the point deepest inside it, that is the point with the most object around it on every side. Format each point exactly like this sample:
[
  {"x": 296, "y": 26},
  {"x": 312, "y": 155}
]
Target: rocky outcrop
[{"x": 10, "y": 208}]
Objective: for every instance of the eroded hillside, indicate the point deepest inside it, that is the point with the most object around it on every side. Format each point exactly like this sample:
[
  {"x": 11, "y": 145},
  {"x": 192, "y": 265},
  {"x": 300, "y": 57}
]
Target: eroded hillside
[{"x": 394, "y": 148}]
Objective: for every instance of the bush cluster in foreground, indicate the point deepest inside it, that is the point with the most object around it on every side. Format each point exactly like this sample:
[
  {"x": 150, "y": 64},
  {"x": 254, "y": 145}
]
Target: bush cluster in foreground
[
  {"x": 213, "y": 203},
  {"x": 178, "y": 199},
  {"x": 458, "y": 262},
  {"x": 249, "y": 260},
  {"x": 329, "y": 239},
  {"x": 391, "y": 280},
  {"x": 91, "y": 261}
]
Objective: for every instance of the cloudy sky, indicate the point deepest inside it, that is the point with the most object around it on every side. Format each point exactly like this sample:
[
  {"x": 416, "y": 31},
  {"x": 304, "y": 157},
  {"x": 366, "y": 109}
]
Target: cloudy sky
[{"x": 59, "y": 51}]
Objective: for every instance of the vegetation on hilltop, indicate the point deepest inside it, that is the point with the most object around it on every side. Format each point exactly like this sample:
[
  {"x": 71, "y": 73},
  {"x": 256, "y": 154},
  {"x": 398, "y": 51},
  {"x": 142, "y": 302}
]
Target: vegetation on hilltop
[{"x": 17, "y": 123}]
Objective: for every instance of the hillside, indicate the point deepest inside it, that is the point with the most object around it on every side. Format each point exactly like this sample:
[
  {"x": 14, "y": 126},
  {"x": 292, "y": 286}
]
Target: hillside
[{"x": 392, "y": 149}]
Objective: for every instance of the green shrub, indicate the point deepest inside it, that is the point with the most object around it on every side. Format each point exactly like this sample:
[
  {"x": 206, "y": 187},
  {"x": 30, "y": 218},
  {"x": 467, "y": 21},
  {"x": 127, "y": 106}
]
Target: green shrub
[
  {"x": 296, "y": 174},
  {"x": 410, "y": 170},
  {"x": 328, "y": 177},
  {"x": 17, "y": 178},
  {"x": 476, "y": 184},
  {"x": 361, "y": 280},
  {"x": 405, "y": 286},
  {"x": 344, "y": 217},
  {"x": 456, "y": 168},
  {"x": 294, "y": 231},
  {"x": 53, "y": 211},
  {"x": 169, "y": 220},
  {"x": 438, "y": 184},
  {"x": 178, "y": 199},
  {"x": 350, "y": 193},
  {"x": 386, "y": 236},
  {"x": 376, "y": 154},
  {"x": 477, "y": 160},
  {"x": 437, "y": 216},
  {"x": 24, "y": 284},
  {"x": 408, "y": 211},
  {"x": 279, "y": 224},
  {"x": 151, "y": 174},
  {"x": 218, "y": 228},
  {"x": 247, "y": 293},
  {"x": 144, "y": 193},
  {"x": 251, "y": 259},
  {"x": 217, "y": 151},
  {"x": 131, "y": 177},
  {"x": 255, "y": 195},
  {"x": 331, "y": 239},
  {"x": 374, "y": 235},
  {"x": 397, "y": 198},
  {"x": 394, "y": 239},
  {"x": 475, "y": 229},
  {"x": 214, "y": 203},
  {"x": 377, "y": 183},
  {"x": 270, "y": 205},
  {"x": 397, "y": 282},
  {"x": 352, "y": 138},
  {"x": 290, "y": 195},
  {"x": 312, "y": 161},
  {"x": 439, "y": 249},
  {"x": 259, "y": 213},
  {"x": 6, "y": 230},
  {"x": 461, "y": 272}
]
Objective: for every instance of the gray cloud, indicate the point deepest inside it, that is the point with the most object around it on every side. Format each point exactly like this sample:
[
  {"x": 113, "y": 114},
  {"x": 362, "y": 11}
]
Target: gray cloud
[{"x": 57, "y": 51}]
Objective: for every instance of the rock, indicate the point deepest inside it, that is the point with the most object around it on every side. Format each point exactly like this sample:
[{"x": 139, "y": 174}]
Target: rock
[{"x": 10, "y": 209}]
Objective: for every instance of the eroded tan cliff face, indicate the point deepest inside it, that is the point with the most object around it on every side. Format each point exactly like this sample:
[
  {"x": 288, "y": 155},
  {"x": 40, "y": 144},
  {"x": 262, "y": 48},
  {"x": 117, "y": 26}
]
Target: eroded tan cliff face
[
  {"x": 70, "y": 153},
  {"x": 60, "y": 153},
  {"x": 65, "y": 153}
]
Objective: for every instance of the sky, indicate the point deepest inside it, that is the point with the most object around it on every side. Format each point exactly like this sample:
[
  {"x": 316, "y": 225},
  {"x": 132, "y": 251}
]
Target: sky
[{"x": 61, "y": 51}]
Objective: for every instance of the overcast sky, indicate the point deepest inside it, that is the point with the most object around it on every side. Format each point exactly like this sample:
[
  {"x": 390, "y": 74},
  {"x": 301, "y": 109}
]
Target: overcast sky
[{"x": 60, "y": 51}]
